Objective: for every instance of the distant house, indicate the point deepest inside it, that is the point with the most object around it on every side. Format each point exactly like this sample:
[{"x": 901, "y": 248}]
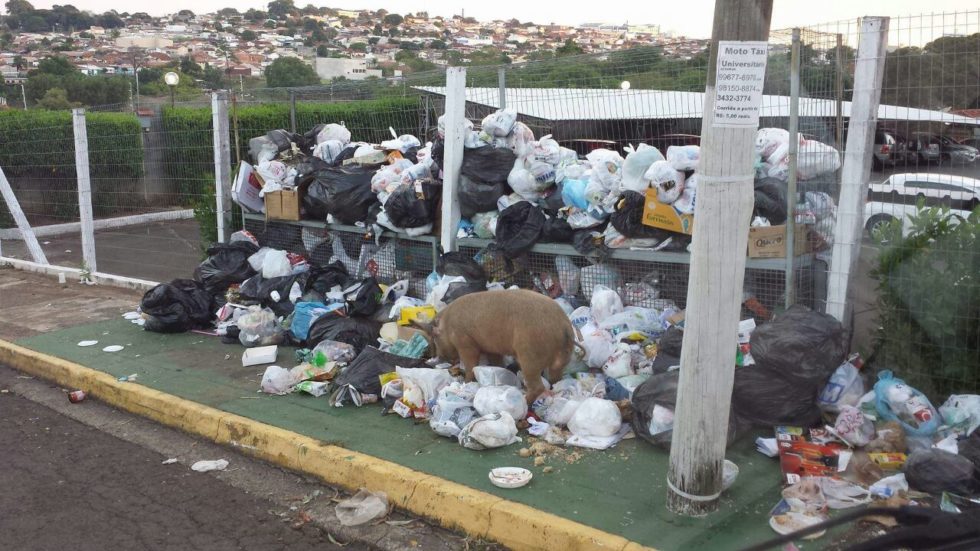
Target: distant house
[{"x": 351, "y": 69}]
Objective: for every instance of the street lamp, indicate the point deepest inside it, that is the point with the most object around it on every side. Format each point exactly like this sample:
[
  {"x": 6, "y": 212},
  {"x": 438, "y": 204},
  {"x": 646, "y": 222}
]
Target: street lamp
[{"x": 172, "y": 79}]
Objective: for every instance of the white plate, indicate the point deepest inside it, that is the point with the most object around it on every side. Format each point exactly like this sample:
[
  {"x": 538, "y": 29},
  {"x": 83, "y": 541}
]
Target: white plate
[
  {"x": 113, "y": 348},
  {"x": 510, "y": 477},
  {"x": 790, "y": 522},
  {"x": 131, "y": 315},
  {"x": 88, "y": 343}
]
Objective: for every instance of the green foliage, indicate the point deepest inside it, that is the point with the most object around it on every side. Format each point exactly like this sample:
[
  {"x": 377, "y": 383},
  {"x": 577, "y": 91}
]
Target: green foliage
[
  {"x": 41, "y": 143},
  {"x": 929, "y": 301},
  {"x": 54, "y": 65},
  {"x": 287, "y": 72},
  {"x": 81, "y": 89},
  {"x": 190, "y": 67},
  {"x": 941, "y": 74},
  {"x": 248, "y": 35},
  {"x": 393, "y": 20},
  {"x": 55, "y": 99}
]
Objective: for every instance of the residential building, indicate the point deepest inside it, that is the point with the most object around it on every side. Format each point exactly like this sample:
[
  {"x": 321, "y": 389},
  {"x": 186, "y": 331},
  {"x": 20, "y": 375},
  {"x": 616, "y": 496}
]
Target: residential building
[{"x": 329, "y": 68}]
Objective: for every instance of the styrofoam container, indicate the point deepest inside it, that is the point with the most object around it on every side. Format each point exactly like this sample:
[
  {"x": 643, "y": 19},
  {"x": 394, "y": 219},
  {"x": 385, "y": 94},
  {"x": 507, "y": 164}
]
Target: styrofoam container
[
  {"x": 259, "y": 355},
  {"x": 510, "y": 477}
]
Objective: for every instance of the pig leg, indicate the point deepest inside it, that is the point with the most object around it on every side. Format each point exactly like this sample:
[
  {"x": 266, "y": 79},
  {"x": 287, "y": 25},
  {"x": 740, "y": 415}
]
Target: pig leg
[
  {"x": 469, "y": 357},
  {"x": 531, "y": 368}
]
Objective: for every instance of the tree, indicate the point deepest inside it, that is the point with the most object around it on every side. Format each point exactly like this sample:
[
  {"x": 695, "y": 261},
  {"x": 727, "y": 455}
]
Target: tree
[
  {"x": 569, "y": 48},
  {"x": 248, "y": 35},
  {"x": 228, "y": 12},
  {"x": 378, "y": 31},
  {"x": 287, "y": 72},
  {"x": 56, "y": 65},
  {"x": 438, "y": 44},
  {"x": 374, "y": 40},
  {"x": 213, "y": 78},
  {"x": 255, "y": 15},
  {"x": 393, "y": 31},
  {"x": 393, "y": 20},
  {"x": 86, "y": 35},
  {"x": 56, "y": 99},
  {"x": 280, "y": 9},
  {"x": 190, "y": 67},
  {"x": 322, "y": 51},
  {"x": 358, "y": 47},
  {"x": 186, "y": 13},
  {"x": 110, "y": 20}
]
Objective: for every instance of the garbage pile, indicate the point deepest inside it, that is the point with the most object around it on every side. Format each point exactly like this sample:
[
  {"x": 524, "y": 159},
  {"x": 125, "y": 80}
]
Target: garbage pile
[{"x": 394, "y": 184}]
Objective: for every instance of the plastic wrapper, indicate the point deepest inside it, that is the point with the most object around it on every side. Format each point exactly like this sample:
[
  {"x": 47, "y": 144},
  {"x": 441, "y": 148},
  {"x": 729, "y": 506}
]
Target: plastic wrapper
[
  {"x": 896, "y": 401},
  {"x": 936, "y": 471},
  {"x": 668, "y": 181},
  {"x": 684, "y": 157},
  {"x": 518, "y": 228},
  {"x": 362, "y": 507},
  {"x": 851, "y": 425},
  {"x": 495, "y": 399},
  {"x": 178, "y": 306},
  {"x": 635, "y": 166},
  {"x": 334, "y": 351},
  {"x": 595, "y": 417},
  {"x": 490, "y": 431}
]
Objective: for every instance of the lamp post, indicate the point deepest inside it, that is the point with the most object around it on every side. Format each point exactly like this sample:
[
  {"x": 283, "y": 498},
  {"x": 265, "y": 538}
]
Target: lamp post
[{"x": 172, "y": 79}]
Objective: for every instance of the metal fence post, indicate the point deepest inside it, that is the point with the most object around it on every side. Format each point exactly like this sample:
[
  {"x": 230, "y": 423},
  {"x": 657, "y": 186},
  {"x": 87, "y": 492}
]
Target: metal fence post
[
  {"x": 794, "y": 146},
  {"x": 839, "y": 92},
  {"x": 868, "y": 72},
  {"x": 84, "y": 189},
  {"x": 455, "y": 117},
  {"x": 222, "y": 163},
  {"x": 292, "y": 111},
  {"x": 502, "y": 85}
]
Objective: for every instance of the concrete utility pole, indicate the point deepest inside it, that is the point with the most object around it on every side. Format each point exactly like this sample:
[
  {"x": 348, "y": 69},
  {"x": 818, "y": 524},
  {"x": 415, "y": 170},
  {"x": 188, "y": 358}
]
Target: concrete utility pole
[{"x": 714, "y": 293}]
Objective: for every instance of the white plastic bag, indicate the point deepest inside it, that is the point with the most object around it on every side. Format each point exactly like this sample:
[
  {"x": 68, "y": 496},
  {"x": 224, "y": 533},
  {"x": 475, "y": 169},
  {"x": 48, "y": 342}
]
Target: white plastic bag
[
  {"x": 402, "y": 143},
  {"x": 362, "y": 507},
  {"x": 489, "y": 375},
  {"x": 844, "y": 388},
  {"x": 618, "y": 364},
  {"x": 453, "y": 409},
  {"x": 522, "y": 181},
  {"x": 815, "y": 158},
  {"x": 439, "y": 290},
  {"x": 485, "y": 224},
  {"x": 688, "y": 199},
  {"x": 328, "y": 150},
  {"x": 599, "y": 274},
  {"x": 598, "y": 345},
  {"x": 493, "y": 399},
  {"x": 768, "y": 140},
  {"x": 568, "y": 275},
  {"x": 851, "y": 425},
  {"x": 961, "y": 412},
  {"x": 635, "y": 166},
  {"x": 606, "y": 167},
  {"x": 421, "y": 385},
  {"x": 490, "y": 431},
  {"x": 499, "y": 124},
  {"x": 547, "y": 150},
  {"x": 277, "y": 380},
  {"x": 333, "y": 131},
  {"x": 605, "y": 302},
  {"x": 684, "y": 157},
  {"x": 520, "y": 141},
  {"x": 271, "y": 171},
  {"x": 275, "y": 263},
  {"x": 668, "y": 181},
  {"x": 596, "y": 417},
  {"x": 258, "y": 327}
]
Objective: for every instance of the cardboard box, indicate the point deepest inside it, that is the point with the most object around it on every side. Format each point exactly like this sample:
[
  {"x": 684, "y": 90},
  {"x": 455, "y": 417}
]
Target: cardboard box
[
  {"x": 660, "y": 215},
  {"x": 284, "y": 204},
  {"x": 259, "y": 355},
  {"x": 770, "y": 241},
  {"x": 246, "y": 188}
]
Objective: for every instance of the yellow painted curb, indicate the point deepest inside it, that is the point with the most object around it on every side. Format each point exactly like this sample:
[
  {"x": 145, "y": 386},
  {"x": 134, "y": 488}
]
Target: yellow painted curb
[{"x": 449, "y": 504}]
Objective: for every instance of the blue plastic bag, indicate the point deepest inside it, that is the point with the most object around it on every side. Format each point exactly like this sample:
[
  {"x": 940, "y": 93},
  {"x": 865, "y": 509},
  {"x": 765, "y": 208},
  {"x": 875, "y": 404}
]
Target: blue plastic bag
[
  {"x": 573, "y": 194},
  {"x": 897, "y": 401},
  {"x": 305, "y": 314}
]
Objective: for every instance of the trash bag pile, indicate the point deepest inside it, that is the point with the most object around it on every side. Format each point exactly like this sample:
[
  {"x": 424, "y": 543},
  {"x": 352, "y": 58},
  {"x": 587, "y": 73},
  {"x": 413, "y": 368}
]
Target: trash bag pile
[
  {"x": 395, "y": 184},
  {"x": 816, "y": 164}
]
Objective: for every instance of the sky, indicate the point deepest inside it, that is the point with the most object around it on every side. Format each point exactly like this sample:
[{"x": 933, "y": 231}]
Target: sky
[{"x": 685, "y": 17}]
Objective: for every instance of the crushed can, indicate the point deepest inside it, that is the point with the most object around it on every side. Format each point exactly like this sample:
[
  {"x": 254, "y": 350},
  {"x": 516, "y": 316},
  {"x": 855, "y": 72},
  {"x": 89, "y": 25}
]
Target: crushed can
[{"x": 76, "y": 396}]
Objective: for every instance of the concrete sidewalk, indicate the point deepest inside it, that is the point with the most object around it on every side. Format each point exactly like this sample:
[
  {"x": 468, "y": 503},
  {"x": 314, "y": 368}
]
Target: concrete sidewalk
[{"x": 618, "y": 492}]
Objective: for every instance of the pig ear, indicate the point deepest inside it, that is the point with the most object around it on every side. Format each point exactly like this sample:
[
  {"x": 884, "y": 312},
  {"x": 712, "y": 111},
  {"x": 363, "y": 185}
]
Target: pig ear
[{"x": 427, "y": 326}]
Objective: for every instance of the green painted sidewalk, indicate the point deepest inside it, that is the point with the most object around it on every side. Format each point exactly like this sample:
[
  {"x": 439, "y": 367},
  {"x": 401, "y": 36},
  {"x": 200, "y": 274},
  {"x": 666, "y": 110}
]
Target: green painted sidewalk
[{"x": 621, "y": 490}]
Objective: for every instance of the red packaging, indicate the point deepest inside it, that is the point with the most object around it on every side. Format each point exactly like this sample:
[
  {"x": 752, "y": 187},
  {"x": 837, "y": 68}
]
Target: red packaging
[{"x": 76, "y": 396}]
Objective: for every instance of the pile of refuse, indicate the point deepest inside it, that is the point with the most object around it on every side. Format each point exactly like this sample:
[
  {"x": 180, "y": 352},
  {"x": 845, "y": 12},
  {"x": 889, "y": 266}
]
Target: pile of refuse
[{"x": 395, "y": 184}]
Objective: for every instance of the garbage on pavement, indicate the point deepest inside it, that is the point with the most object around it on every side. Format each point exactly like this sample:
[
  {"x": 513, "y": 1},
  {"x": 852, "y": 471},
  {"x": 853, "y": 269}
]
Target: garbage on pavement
[{"x": 362, "y": 507}]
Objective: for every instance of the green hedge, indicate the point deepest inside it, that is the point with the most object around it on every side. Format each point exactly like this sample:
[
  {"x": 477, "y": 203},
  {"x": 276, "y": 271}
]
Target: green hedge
[{"x": 42, "y": 143}]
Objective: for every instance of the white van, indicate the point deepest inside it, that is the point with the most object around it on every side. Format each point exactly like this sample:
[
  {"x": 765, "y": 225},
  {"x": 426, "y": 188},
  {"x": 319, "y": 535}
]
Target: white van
[{"x": 897, "y": 197}]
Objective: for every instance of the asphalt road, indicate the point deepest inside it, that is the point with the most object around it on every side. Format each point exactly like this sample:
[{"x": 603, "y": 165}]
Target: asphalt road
[{"x": 68, "y": 485}]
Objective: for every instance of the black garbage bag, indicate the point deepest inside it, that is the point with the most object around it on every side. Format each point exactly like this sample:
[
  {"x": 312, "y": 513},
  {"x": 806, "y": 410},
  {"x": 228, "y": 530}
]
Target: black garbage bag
[
  {"x": 770, "y": 200},
  {"x": 800, "y": 345},
  {"x": 553, "y": 202},
  {"x": 281, "y": 235},
  {"x": 346, "y": 153},
  {"x": 590, "y": 244},
  {"x": 306, "y": 169},
  {"x": 357, "y": 332},
  {"x": 178, "y": 306},
  {"x": 455, "y": 264},
  {"x": 227, "y": 263},
  {"x": 628, "y": 218},
  {"x": 557, "y": 230},
  {"x": 344, "y": 192},
  {"x": 671, "y": 341},
  {"x": 970, "y": 449},
  {"x": 363, "y": 373},
  {"x": 475, "y": 197},
  {"x": 283, "y": 139},
  {"x": 461, "y": 288},
  {"x": 488, "y": 164},
  {"x": 437, "y": 152},
  {"x": 411, "y": 154},
  {"x": 363, "y": 298},
  {"x": 322, "y": 279},
  {"x": 765, "y": 398},
  {"x": 519, "y": 228},
  {"x": 259, "y": 289},
  {"x": 936, "y": 471},
  {"x": 308, "y": 139},
  {"x": 408, "y": 208},
  {"x": 661, "y": 390}
]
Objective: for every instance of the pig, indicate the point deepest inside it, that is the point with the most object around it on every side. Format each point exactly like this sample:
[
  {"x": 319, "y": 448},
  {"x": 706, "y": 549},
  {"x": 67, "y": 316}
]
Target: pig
[{"x": 526, "y": 325}]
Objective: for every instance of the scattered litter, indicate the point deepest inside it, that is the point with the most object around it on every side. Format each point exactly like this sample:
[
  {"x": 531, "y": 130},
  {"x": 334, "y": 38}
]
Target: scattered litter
[
  {"x": 132, "y": 315},
  {"x": 206, "y": 466},
  {"x": 127, "y": 378},
  {"x": 362, "y": 507},
  {"x": 88, "y": 343},
  {"x": 510, "y": 477},
  {"x": 76, "y": 396},
  {"x": 113, "y": 348},
  {"x": 170, "y": 461}
]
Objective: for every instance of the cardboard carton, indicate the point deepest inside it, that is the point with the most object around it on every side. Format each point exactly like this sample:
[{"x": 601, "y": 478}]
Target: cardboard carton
[
  {"x": 770, "y": 241},
  {"x": 660, "y": 215}
]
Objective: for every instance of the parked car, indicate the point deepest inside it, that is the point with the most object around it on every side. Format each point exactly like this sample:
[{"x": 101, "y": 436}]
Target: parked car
[
  {"x": 889, "y": 149},
  {"x": 923, "y": 148},
  {"x": 898, "y": 196},
  {"x": 957, "y": 152},
  {"x": 972, "y": 142}
]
